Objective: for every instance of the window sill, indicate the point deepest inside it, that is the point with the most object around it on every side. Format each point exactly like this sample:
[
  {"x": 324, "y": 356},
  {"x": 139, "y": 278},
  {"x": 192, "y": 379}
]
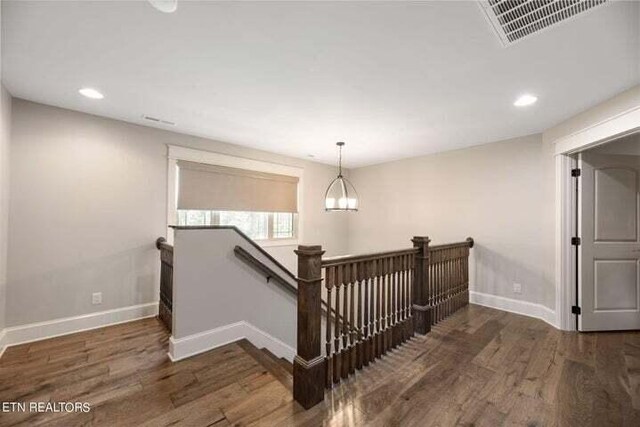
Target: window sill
[{"x": 277, "y": 242}]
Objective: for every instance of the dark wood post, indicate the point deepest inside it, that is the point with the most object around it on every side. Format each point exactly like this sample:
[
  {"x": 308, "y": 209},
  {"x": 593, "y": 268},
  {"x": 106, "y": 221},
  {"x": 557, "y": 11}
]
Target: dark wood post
[
  {"x": 420, "y": 303},
  {"x": 309, "y": 364}
]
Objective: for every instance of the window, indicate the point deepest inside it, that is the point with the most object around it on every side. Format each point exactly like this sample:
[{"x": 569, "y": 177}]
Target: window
[
  {"x": 261, "y": 199},
  {"x": 256, "y": 225}
]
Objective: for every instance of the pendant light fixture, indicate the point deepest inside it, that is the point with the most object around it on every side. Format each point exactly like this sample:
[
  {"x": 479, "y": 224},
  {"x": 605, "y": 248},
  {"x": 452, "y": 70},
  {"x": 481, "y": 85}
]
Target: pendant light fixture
[{"x": 341, "y": 194}]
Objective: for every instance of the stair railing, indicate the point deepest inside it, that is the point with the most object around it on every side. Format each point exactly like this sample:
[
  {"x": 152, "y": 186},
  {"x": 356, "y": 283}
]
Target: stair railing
[
  {"x": 165, "y": 306},
  {"x": 380, "y": 299}
]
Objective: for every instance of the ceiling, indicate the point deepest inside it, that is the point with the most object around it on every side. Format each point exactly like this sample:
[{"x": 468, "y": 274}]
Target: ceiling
[{"x": 392, "y": 79}]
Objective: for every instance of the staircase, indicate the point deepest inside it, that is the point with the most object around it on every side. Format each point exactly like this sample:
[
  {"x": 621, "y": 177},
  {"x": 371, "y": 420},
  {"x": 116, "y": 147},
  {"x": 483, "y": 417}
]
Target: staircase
[{"x": 351, "y": 310}]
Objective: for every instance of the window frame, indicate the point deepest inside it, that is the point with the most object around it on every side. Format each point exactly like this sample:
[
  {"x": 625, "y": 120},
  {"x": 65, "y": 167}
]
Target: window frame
[
  {"x": 270, "y": 240},
  {"x": 176, "y": 153}
]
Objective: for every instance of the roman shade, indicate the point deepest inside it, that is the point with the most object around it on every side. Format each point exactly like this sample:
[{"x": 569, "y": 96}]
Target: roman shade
[{"x": 209, "y": 187}]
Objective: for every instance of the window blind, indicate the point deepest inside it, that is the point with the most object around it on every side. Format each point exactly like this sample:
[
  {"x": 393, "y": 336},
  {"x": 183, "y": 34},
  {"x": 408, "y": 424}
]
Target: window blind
[{"x": 209, "y": 187}]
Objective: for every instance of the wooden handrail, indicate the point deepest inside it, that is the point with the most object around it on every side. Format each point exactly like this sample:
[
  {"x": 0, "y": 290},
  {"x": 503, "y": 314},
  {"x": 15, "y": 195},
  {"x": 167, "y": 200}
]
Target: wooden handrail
[
  {"x": 467, "y": 243},
  {"x": 244, "y": 255},
  {"x": 161, "y": 243},
  {"x": 344, "y": 259}
]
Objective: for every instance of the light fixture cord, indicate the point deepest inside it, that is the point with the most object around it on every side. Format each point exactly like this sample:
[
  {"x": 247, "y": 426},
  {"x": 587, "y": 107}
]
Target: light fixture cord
[{"x": 340, "y": 163}]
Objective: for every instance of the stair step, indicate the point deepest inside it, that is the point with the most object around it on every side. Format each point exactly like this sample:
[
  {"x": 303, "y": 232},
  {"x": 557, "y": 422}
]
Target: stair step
[
  {"x": 271, "y": 363},
  {"x": 287, "y": 365},
  {"x": 280, "y": 360}
]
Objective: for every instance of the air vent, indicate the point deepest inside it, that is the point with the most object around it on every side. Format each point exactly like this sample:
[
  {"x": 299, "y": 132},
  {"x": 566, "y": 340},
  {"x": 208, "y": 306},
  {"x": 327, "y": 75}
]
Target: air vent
[
  {"x": 514, "y": 20},
  {"x": 158, "y": 121}
]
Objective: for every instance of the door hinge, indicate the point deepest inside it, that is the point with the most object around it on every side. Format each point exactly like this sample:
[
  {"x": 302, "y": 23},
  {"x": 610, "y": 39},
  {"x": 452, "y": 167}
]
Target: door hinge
[
  {"x": 575, "y": 310},
  {"x": 575, "y": 241},
  {"x": 576, "y": 172}
]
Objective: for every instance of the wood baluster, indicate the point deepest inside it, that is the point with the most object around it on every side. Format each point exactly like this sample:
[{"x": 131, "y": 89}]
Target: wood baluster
[
  {"x": 410, "y": 295},
  {"x": 436, "y": 285},
  {"x": 361, "y": 268},
  {"x": 467, "y": 271},
  {"x": 392, "y": 311},
  {"x": 352, "y": 319},
  {"x": 443, "y": 291},
  {"x": 336, "y": 337},
  {"x": 372, "y": 309},
  {"x": 443, "y": 287},
  {"x": 458, "y": 281},
  {"x": 379, "y": 311},
  {"x": 447, "y": 267},
  {"x": 405, "y": 295},
  {"x": 407, "y": 291},
  {"x": 402, "y": 300},
  {"x": 344, "y": 372},
  {"x": 453, "y": 281},
  {"x": 440, "y": 284},
  {"x": 399, "y": 322},
  {"x": 329, "y": 283},
  {"x": 383, "y": 309},
  {"x": 366, "y": 321},
  {"x": 396, "y": 300},
  {"x": 389, "y": 301}
]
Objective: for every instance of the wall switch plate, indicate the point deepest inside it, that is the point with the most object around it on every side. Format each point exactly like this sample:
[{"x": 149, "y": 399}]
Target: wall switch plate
[
  {"x": 96, "y": 298},
  {"x": 517, "y": 288}
]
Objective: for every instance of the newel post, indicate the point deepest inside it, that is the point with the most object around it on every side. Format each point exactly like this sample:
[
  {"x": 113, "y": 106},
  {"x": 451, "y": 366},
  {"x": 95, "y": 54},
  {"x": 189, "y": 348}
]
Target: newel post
[
  {"x": 309, "y": 364},
  {"x": 420, "y": 303}
]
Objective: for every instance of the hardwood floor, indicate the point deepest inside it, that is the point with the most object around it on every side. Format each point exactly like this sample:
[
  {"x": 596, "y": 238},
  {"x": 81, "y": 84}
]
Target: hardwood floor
[{"x": 479, "y": 367}]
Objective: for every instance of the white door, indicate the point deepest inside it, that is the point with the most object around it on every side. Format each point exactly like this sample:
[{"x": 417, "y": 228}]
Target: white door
[{"x": 610, "y": 242}]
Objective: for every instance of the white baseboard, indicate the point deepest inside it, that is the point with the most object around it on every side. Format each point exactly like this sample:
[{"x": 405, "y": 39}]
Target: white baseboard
[
  {"x": 525, "y": 308},
  {"x": 3, "y": 344},
  {"x": 191, "y": 345},
  {"x": 53, "y": 328}
]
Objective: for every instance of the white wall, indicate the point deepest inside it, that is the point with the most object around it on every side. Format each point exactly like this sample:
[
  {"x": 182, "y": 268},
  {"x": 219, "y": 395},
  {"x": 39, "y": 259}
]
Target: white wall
[
  {"x": 502, "y": 194},
  {"x": 88, "y": 200},
  {"x": 496, "y": 193},
  {"x": 5, "y": 133},
  {"x": 612, "y": 107}
]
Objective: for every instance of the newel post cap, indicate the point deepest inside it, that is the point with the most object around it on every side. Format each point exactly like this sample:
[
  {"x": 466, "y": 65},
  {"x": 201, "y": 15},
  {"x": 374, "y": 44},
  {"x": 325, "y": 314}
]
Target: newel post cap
[
  {"x": 314, "y": 250},
  {"x": 420, "y": 240}
]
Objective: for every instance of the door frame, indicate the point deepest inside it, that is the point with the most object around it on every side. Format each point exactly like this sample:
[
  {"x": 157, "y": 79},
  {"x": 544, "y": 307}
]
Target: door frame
[{"x": 615, "y": 127}]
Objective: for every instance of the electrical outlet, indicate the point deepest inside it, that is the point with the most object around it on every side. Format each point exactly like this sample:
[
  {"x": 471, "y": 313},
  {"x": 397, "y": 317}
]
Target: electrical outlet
[
  {"x": 96, "y": 298},
  {"x": 517, "y": 288}
]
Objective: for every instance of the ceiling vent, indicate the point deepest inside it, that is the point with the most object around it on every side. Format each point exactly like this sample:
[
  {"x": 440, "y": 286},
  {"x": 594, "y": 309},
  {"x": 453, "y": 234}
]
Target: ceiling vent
[
  {"x": 158, "y": 121},
  {"x": 514, "y": 20}
]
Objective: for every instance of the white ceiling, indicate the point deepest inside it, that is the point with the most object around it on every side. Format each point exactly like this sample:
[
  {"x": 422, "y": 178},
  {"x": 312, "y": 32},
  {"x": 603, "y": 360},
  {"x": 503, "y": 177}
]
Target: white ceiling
[{"x": 392, "y": 79}]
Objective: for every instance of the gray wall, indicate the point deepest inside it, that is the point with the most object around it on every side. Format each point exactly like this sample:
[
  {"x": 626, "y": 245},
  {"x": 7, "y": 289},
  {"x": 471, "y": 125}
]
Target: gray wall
[
  {"x": 497, "y": 193},
  {"x": 5, "y": 133},
  {"x": 214, "y": 288},
  {"x": 88, "y": 200}
]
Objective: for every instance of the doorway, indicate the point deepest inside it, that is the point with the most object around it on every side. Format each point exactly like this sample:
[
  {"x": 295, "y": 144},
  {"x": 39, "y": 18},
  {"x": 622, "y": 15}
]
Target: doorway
[{"x": 608, "y": 228}]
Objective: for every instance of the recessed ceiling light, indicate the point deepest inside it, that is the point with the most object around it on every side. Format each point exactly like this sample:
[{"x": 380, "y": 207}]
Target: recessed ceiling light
[
  {"x": 91, "y": 93},
  {"x": 525, "y": 100},
  {"x": 166, "y": 6}
]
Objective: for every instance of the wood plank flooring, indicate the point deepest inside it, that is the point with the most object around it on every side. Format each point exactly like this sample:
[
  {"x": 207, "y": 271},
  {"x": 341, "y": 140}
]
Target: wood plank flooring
[{"x": 480, "y": 367}]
